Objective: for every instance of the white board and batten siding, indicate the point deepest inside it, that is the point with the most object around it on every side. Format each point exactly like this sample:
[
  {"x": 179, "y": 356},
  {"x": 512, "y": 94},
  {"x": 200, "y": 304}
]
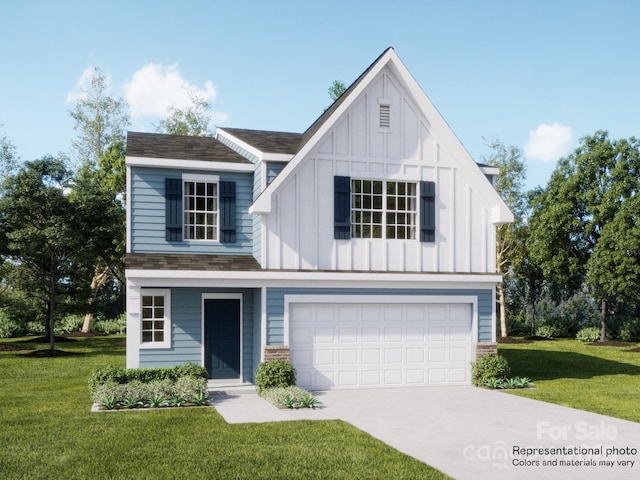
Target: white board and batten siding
[{"x": 298, "y": 232}]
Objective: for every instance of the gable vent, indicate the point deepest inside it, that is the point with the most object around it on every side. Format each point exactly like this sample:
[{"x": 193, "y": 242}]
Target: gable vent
[{"x": 385, "y": 116}]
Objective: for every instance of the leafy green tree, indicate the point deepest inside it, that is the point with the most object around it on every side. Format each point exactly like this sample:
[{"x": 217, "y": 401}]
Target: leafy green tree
[
  {"x": 101, "y": 119},
  {"x": 336, "y": 89},
  {"x": 192, "y": 120},
  {"x": 8, "y": 157},
  {"x": 588, "y": 199},
  {"x": 38, "y": 231},
  {"x": 509, "y": 237}
]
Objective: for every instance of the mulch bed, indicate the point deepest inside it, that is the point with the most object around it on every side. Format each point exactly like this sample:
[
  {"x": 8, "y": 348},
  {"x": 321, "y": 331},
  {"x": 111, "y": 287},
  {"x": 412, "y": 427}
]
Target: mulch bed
[
  {"x": 513, "y": 340},
  {"x": 635, "y": 350},
  {"x": 49, "y": 353},
  {"x": 610, "y": 343},
  {"x": 14, "y": 347}
]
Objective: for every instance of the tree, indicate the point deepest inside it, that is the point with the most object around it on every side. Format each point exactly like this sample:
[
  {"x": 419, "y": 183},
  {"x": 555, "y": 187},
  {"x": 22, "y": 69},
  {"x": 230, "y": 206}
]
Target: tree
[
  {"x": 38, "y": 232},
  {"x": 101, "y": 119},
  {"x": 509, "y": 184},
  {"x": 336, "y": 89},
  {"x": 193, "y": 120},
  {"x": 96, "y": 197},
  {"x": 8, "y": 157},
  {"x": 578, "y": 221}
]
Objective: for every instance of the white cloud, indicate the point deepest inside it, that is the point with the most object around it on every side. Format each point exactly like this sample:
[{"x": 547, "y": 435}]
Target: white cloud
[
  {"x": 548, "y": 142},
  {"x": 155, "y": 87}
]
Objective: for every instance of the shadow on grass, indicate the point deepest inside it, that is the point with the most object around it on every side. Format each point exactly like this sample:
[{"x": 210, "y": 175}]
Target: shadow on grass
[
  {"x": 89, "y": 346},
  {"x": 552, "y": 365}
]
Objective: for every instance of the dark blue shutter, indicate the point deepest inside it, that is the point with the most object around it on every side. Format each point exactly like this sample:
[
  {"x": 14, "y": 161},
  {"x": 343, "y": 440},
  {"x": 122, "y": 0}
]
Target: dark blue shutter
[
  {"x": 342, "y": 208},
  {"x": 173, "y": 201},
  {"x": 227, "y": 212},
  {"x": 427, "y": 211}
]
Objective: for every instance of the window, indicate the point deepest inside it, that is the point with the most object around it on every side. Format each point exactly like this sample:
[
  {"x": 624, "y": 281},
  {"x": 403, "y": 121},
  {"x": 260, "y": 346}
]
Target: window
[
  {"x": 155, "y": 318},
  {"x": 383, "y": 209},
  {"x": 200, "y": 210}
]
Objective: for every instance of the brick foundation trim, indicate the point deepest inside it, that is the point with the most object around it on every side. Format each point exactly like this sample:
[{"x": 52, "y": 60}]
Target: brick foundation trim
[
  {"x": 277, "y": 351},
  {"x": 483, "y": 348}
]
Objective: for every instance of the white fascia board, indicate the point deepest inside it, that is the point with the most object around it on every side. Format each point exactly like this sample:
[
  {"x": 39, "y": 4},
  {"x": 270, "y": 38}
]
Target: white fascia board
[
  {"x": 262, "y": 204},
  {"x": 191, "y": 278},
  {"x": 244, "y": 145},
  {"x": 278, "y": 157},
  {"x": 189, "y": 164},
  {"x": 489, "y": 170}
]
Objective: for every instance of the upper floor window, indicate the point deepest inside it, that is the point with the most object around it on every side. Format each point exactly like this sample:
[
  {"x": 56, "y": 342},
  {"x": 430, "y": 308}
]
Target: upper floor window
[
  {"x": 383, "y": 209},
  {"x": 200, "y": 210}
]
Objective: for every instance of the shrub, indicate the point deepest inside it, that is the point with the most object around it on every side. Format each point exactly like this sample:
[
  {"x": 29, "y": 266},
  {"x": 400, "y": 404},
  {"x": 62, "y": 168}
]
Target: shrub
[
  {"x": 155, "y": 393},
  {"x": 121, "y": 375},
  {"x": 630, "y": 330},
  {"x": 290, "y": 397},
  {"x": 69, "y": 324},
  {"x": 8, "y": 327},
  {"x": 35, "y": 328},
  {"x": 112, "y": 326},
  {"x": 489, "y": 366},
  {"x": 588, "y": 334},
  {"x": 548, "y": 331},
  {"x": 275, "y": 373}
]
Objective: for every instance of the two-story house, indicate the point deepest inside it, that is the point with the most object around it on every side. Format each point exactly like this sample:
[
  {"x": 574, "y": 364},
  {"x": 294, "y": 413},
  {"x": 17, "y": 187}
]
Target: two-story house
[{"x": 362, "y": 249}]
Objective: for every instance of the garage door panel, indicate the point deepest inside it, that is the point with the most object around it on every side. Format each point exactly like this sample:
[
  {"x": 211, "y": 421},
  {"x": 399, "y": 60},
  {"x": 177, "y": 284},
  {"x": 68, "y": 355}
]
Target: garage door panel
[{"x": 357, "y": 345}]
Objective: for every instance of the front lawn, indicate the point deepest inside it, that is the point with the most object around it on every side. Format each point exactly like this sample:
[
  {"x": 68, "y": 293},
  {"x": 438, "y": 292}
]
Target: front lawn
[
  {"x": 48, "y": 431},
  {"x": 600, "y": 379}
]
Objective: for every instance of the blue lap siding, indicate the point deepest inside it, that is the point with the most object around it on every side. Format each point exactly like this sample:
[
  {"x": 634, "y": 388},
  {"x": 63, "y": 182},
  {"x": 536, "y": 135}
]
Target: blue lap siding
[{"x": 275, "y": 305}]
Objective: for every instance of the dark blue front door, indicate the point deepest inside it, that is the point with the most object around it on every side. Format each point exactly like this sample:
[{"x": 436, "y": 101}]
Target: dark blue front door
[{"x": 222, "y": 337}]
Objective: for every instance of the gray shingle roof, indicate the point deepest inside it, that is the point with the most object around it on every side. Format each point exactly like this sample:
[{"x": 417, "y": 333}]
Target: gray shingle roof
[
  {"x": 180, "y": 147},
  {"x": 268, "y": 141},
  {"x": 185, "y": 261}
]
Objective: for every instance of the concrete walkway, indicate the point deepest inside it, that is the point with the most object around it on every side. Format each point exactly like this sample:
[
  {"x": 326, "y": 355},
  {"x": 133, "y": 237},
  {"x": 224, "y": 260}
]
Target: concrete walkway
[{"x": 467, "y": 432}]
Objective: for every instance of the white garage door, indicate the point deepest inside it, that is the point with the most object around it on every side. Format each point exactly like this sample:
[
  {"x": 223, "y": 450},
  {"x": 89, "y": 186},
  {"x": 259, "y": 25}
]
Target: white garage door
[{"x": 380, "y": 345}]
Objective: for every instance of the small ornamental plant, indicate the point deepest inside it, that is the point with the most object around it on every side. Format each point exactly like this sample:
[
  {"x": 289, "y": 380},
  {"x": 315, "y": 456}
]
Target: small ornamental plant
[
  {"x": 275, "y": 373},
  {"x": 487, "y": 367}
]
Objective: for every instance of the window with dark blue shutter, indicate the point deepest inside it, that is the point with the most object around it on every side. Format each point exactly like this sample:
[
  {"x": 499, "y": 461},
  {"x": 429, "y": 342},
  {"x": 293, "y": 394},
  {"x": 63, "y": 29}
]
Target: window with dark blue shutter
[
  {"x": 173, "y": 214},
  {"x": 427, "y": 211},
  {"x": 227, "y": 212},
  {"x": 342, "y": 208}
]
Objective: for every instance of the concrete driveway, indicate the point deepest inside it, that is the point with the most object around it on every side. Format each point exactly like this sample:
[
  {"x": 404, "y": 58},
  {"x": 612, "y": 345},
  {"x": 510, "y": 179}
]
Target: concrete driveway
[{"x": 470, "y": 433}]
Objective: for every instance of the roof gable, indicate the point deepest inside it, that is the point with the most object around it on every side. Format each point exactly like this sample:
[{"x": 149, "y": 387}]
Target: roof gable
[{"x": 441, "y": 130}]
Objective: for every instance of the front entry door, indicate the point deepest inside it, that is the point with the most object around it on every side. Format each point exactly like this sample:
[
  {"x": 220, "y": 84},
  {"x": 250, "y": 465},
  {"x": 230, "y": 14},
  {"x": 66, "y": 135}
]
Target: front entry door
[{"x": 222, "y": 337}]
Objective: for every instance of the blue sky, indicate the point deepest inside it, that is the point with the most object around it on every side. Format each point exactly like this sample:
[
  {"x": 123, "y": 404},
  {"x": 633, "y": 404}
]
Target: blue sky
[{"x": 535, "y": 74}]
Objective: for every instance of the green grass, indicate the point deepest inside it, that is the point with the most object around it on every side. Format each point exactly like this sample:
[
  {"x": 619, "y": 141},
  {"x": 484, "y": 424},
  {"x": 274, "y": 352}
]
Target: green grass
[
  {"x": 599, "y": 379},
  {"x": 48, "y": 431}
]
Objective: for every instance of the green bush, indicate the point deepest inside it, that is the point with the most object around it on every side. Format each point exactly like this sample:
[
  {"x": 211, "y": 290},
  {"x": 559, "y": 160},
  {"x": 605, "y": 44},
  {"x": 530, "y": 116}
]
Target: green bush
[
  {"x": 548, "y": 331},
  {"x": 275, "y": 373},
  {"x": 589, "y": 334},
  {"x": 111, "y": 326},
  {"x": 150, "y": 394},
  {"x": 35, "y": 329},
  {"x": 69, "y": 324},
  {"x": 121, "y": 375},
  {"x": 9, "y": 327},
  {"x": 630, "y": 330},
  {"x": 290, "y": 397},
  {"x": 487, "y": 367}
]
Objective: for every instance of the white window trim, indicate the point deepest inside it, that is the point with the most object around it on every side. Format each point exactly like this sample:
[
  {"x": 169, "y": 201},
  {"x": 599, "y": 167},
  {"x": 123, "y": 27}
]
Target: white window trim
[
  {"x": 157, "y": 292},
  {"x": 199, "y": 177}
]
